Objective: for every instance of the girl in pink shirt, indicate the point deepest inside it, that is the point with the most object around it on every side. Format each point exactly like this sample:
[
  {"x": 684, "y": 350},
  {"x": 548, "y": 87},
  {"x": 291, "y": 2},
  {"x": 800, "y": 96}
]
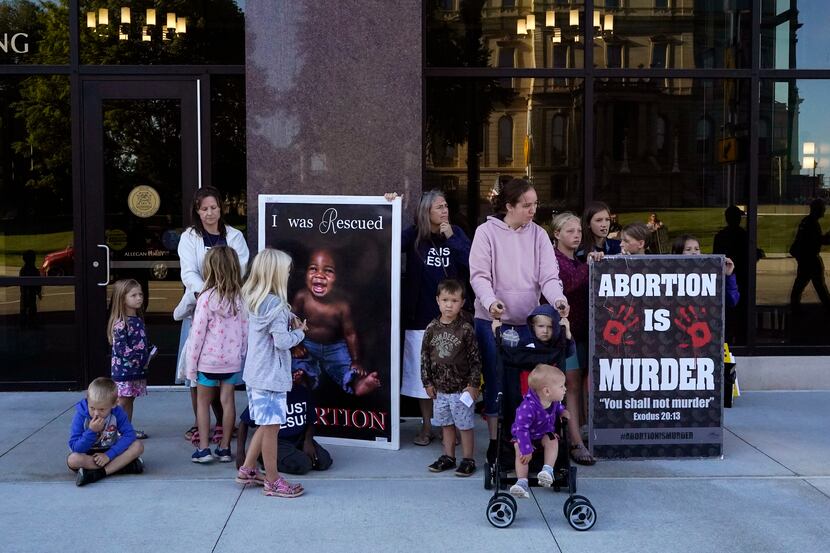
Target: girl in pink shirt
[{"x": 216, "y": 347}]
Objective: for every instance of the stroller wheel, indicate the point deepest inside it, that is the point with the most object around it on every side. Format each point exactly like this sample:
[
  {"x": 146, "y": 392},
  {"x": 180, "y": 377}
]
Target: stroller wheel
[
  {"x": 570, "y": 501},
  {"x": 488, "y": 476},
  {"x": 581, "y": 515},
  {"x": 501, "y": 511}
]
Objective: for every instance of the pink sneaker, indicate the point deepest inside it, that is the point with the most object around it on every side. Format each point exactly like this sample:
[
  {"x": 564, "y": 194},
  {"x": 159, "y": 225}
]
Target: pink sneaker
[
  {"x": 282, "y": 488},
  {"x": 250, "y": 476}
]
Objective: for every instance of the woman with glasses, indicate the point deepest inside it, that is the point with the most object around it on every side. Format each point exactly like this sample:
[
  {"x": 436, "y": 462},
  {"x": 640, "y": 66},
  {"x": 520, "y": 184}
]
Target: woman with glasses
[{"x": 435, "y": 250}]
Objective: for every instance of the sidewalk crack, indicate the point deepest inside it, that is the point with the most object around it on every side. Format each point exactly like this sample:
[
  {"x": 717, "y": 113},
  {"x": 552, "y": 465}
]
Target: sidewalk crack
[
  {"x": 774, "y": 460},
  {"x": 50, "y": 421},
  {"x": 230, "y": 514},
  {"x": 541, "y": 512}
]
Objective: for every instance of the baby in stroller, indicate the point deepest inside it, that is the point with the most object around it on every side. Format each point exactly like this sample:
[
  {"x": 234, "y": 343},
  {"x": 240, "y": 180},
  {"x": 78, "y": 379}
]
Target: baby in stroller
[
  {"x": 535, "y": 424},
  {"x": 552, "y": 343}
]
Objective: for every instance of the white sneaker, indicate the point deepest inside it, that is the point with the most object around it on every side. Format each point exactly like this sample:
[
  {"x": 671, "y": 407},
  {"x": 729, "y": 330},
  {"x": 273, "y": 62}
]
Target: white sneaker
[
  {"x": 520, "y": 490},
  {"x": 545, "y": 478}
]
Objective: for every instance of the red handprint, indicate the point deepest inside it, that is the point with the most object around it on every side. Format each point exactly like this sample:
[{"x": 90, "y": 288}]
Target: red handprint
[
  {"x": 691, "y": 321},
  {"x": 615, "y": 328}
]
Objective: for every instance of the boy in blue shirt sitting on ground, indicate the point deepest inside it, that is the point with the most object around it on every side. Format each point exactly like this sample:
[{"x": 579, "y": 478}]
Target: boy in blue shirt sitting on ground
[{"x": 102, "y": 439}]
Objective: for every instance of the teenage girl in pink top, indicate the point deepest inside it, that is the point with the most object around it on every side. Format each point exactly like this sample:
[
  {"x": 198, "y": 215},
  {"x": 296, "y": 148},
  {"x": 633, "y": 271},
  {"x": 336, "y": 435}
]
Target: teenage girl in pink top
[{"x": 512, "y": 263}]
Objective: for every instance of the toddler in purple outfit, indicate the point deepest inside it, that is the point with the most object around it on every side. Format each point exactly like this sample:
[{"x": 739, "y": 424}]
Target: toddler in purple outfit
[{"x": 535, "y": 423}]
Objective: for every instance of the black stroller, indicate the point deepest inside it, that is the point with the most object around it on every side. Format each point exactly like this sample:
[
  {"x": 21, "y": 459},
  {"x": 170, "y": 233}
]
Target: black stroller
[{"x": 502, "y": 507}]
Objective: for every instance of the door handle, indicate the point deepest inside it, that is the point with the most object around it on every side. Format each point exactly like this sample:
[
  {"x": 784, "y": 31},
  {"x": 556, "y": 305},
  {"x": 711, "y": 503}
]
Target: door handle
[{"x": 106, "y": 282}]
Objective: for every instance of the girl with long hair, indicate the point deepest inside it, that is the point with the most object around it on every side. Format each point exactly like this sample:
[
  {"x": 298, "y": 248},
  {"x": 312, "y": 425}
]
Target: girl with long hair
[
  {"x": 272, "y": 331},
  {"x": 131, "y": 351},
  {"x": 216, "y": 348}
]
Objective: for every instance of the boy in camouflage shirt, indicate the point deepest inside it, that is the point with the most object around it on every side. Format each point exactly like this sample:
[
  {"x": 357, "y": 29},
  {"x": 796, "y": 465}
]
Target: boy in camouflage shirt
[{"x": 451, "y": 373}]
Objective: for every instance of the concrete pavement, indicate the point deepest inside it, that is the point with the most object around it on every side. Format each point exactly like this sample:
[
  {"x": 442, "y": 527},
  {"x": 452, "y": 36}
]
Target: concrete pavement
[{"x": 771, "y": 492}]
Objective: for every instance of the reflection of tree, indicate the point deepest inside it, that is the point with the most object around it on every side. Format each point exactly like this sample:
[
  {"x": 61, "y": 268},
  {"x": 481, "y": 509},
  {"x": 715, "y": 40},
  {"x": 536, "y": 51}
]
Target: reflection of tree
[
  {"x": 457, "y": 109},
  {"x": 215, "y": 34},
  {"x": 43, "y": 104},
  {"x": 23, "y": 16},
  {"x": 142, "y": 137}
]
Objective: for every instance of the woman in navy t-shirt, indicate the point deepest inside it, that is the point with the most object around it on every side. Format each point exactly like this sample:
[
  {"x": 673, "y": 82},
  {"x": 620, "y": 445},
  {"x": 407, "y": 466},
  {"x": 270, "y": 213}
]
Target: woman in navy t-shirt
[{"x": 434, "y": 250}]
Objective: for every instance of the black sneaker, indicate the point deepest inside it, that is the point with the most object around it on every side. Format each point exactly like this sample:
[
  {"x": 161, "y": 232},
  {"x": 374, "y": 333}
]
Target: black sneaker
[
  {"x": 444, "y": 462},
  {"x": 466, "y": 468},
  {"x": 88, "y": 476},
  {"x": 136, "y": 466}
]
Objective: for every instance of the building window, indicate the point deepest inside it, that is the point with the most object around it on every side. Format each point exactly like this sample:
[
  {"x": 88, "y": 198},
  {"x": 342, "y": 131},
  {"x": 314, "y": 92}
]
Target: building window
[
  {"x": 505, "y": 140},
  {"x": 660, "y": 134},
  {"x": 558, "y": 129},
  {"x": 508, "y": 4},
  {"x": 613, "y": 55},
  {"x": 659, "y": 51},
  {"x": 704, "y": 135},
  {"x": 507, "y": 58},
  {"x": 661, "y": 4}
]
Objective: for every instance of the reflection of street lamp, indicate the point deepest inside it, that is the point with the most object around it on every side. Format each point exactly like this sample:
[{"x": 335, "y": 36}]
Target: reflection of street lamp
[{"x": 810, "y": 161}]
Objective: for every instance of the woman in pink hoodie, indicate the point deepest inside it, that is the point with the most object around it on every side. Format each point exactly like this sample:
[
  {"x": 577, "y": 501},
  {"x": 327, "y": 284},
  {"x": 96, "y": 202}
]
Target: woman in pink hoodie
[
  {"x": 216, "y": 347},
  {"x": 512, "y": 263}
]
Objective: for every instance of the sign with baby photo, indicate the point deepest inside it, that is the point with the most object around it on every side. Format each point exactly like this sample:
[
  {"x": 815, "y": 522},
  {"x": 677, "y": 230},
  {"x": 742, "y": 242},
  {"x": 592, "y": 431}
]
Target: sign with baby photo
[
  {"x": 345, "y": 283},
  {"x": 656, "y": 356}
]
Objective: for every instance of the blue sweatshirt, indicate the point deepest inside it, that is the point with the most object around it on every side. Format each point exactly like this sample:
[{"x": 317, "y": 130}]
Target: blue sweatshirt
[{"x": 82, "y": 439}]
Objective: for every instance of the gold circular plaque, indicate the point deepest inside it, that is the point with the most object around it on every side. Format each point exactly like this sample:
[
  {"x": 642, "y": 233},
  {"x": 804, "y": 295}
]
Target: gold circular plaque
[{"x": 144, "y": 201}]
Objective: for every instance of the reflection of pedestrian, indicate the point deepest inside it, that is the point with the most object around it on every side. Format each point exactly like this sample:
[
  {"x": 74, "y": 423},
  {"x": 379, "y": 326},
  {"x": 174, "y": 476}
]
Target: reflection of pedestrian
[
  {"x": 615, "y": 228},
  {"x": 659, "y": 241},
  {"x": 805, "y": 249},
  {"x": 733, "y": 242},
  {"x": 29, "y": 294}
]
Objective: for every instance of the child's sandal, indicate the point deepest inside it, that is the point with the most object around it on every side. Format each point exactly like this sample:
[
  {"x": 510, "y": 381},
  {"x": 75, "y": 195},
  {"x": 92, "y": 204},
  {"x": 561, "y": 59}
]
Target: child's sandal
[
  {"x": 192, "y": 431},
  {"x": 218, "y": 434},
  {"x": 282, "y": 488},
  {"x": 250, "y": 476}
]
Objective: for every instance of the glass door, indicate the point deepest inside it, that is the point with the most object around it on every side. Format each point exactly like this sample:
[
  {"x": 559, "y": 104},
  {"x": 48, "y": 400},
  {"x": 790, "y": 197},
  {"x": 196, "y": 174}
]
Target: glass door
[{"x": 141, "y": 167}]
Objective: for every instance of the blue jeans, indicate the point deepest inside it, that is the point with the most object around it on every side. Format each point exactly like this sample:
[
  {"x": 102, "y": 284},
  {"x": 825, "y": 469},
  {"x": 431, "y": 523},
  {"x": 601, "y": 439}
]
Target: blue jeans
[
  {"x": 488, "y": 350},
  {"x": 334, "y": 360}
]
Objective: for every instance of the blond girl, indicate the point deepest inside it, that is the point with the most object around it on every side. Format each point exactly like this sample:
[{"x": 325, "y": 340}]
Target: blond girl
[
  {"x": 272, "y": 331},
  {"x": 131, "y": 352}
]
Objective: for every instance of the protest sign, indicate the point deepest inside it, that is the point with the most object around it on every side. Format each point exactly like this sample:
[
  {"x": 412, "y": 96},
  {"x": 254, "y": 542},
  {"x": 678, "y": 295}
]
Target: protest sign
[
  {"x": 345, "y": 282},
  {"x": 656, "y": 342}
]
